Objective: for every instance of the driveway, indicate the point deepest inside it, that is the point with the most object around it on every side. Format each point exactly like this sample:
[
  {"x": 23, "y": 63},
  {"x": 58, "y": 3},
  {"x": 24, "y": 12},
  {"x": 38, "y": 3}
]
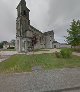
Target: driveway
[
  {"x": 60, "y": 80},
  {"x": 6, "y": 54}
]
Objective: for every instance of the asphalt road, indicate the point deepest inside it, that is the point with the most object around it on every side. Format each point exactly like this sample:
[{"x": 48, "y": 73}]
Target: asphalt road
[{"x": 60, "y": 80}]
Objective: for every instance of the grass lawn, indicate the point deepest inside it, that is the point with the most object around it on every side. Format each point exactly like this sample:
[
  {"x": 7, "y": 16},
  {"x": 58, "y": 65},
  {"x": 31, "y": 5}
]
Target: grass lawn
[
  {"x": 8, "y": 50},
  {"x": 23, "y": 63}
]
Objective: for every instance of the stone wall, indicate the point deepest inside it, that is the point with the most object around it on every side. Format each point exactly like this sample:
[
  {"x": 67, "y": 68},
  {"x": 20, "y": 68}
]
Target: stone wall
[
  {"x": 25, "y": 32},
  {"x": 56, "y": 45},
  {"x": 65, "y": 46}
]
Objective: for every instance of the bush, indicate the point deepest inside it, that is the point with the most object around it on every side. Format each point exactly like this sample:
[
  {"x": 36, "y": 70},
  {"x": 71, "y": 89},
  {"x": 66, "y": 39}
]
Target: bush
[
  {"x": 66, "y": 53},
  {"x": 1, "y": 45},
  {"x": 58, "y": 55}
]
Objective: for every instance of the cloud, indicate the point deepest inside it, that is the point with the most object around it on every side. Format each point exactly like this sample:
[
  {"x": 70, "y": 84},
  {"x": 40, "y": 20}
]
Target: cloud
[
  {"x": 7, "y": 21},
  {"x": 45, "y": 15},
  {"x": 61, "y": 13}
]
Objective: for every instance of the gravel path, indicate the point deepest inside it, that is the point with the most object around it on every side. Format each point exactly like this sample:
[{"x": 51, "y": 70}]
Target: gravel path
[
  {"x": 6, "y": 54},
  {"x": 46, "y": 51},
  {"x": 62, "y": 80},
  {"x": 49, "y": 51},
  {"x": 75, "y": 53}
]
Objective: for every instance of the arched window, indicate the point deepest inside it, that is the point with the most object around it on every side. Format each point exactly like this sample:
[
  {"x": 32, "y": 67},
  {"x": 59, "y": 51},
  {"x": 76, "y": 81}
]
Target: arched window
[{"x": 24, "y": 12}]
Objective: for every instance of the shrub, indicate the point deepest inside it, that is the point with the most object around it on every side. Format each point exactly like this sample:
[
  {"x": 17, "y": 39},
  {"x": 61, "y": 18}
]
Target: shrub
[
  {"x": 58, "y": 55},
  {"x": 66, "y": 53}
]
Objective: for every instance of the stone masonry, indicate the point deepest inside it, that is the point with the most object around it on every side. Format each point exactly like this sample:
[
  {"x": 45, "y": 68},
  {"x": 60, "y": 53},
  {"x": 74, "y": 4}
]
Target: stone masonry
[{"x": 25, "y": 32}]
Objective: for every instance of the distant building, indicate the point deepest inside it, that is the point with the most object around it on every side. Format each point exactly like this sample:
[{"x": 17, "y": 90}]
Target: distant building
[
  {"x": 25, "y": 32},
  {"x": 8, "y": 46},
  {"x": 65, "y": 45},
  {"x": 56, "y": 44}
]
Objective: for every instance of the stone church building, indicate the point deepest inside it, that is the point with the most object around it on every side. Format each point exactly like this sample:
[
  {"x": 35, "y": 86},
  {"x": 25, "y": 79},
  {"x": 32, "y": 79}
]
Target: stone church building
[{"x": 25, "y": 32}]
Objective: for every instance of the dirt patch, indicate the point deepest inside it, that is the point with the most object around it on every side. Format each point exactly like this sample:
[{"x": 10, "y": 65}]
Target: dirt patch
[{"x": 75, "y": 53}]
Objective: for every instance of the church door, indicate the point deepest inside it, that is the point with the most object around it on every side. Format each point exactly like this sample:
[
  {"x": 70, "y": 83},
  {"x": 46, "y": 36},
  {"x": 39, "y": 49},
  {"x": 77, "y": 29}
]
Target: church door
[{"x": 54, "y": 46}]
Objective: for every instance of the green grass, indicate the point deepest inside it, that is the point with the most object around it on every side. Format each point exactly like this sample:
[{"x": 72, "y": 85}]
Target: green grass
[
  {"x": 8, "y": 50},
  {"x": 23, "y": 63}
]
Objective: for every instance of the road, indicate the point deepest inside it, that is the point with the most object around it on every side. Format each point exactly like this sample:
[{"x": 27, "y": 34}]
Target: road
[{"x": 60, "y": 80}]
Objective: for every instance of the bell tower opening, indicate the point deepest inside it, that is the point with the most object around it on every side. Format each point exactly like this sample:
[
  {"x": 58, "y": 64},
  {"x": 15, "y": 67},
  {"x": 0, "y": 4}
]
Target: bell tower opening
[
  {"x": 24, "y": 13},
  {"x": 22, "y": 22}
]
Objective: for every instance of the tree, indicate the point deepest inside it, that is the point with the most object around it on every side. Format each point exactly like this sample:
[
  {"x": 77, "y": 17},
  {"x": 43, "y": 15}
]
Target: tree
[
  {"x": 13, "y": 42},
  {"x": 74, "y": 33},
  {"x": 34, "y": 41},
  {"x": 2, "y": 43}
]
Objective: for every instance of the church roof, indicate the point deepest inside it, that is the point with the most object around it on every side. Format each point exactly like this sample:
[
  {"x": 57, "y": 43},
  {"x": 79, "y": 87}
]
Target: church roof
[
  {"x": 35, "y": 29},
  {"x": 55, "y": 42},
  {"x": 49, "y": 32}
]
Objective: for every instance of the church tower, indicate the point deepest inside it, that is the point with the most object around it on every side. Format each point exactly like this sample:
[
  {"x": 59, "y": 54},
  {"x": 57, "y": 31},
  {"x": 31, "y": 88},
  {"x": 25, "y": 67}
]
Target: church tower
[{"x": 22, "y": 26}]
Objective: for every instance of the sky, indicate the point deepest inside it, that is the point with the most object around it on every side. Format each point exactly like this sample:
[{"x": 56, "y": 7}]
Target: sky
[{"x": 45, "y": 15}]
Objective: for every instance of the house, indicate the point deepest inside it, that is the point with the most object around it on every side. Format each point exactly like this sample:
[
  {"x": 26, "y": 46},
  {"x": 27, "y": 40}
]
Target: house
[
  {"x": 8, "y": 46},
  {"x": 56, "y": 44}
]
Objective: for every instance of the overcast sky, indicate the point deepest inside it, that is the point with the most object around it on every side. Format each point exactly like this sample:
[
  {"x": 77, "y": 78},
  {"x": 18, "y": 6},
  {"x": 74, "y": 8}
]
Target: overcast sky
[{"x": 45, "y": 15}]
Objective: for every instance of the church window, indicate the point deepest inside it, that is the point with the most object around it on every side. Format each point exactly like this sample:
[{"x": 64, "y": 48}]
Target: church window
[{"x": 24, "y": 12}]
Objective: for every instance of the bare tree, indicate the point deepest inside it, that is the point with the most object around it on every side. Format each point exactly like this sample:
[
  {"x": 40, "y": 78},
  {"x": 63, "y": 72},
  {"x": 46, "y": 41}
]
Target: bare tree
[{"x": 34, "y": 41}]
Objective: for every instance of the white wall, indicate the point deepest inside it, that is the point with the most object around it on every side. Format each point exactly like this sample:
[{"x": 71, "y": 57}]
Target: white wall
[
  {"x": 65, "y": 46},
  {"x": 56, "y": 44},
  {"x": 49, "y": 41}
]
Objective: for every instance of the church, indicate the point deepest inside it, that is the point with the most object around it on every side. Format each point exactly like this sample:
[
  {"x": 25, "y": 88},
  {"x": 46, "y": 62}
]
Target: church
[{"x": 25, "y": 32}]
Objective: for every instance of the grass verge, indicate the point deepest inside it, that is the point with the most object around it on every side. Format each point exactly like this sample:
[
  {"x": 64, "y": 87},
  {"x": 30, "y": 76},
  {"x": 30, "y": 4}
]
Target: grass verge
[{"x": 23, "y": 63}]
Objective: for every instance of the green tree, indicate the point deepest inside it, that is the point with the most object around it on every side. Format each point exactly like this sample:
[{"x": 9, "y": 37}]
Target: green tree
[
  {"x": 74, "y": 33},
  {"x": 2, "y": 43}
]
